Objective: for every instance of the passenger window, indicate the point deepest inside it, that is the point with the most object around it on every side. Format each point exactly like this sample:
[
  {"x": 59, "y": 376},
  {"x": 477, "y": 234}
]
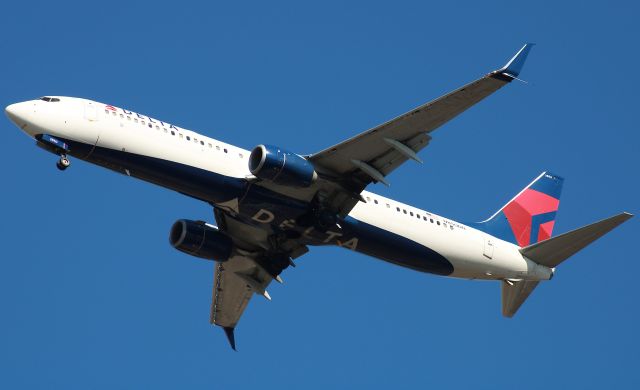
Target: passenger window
[
  {"x": 165, "y": 131},
  {"x": 202, "y": 143},
  {"x": 105, "y": 111},
  {"x": 210, "y": 145},
  {"x": 128, "y": 118},
  {"x": 398, "y": 209},
  {"x": 240, "y": 154},
  {"x": 225, "y": 150},
  {"x": 418, "y": 215},
  {"x": 181, "y": 136},
  {"x": 217, "y": 147},
  {"x": 368, "y": 199},
  {"x": 172, "y": 132},
  {"x": 431, "y": 220},
  {"x": 121, "y": 116},
  {"x": 425, "y": 218},
  {"x": 411, "y": 213},
  {"x": 438, "y": 222},
  {"x": 388, "y": 205},
  {"x": 404, "y": 211},
  {"x": 113, "y": 113},
  {"x": 142, "y": 122},
  {"x": 375, "y": 201},
  {"x": 150, "y": 126},
  {"x": 135, "y": 120},
  {"x": 188, "y": 138},
  {"x": 158, "y": 128}
]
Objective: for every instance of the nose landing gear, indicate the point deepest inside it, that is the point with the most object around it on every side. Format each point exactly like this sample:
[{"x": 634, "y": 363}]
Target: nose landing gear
[{"x": 63, "y": 163}]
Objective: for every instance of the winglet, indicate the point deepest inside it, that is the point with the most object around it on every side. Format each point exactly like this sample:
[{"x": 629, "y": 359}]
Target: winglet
[
  {"x": 230, "y": 336},
  {"x": 515, "y": 64}
]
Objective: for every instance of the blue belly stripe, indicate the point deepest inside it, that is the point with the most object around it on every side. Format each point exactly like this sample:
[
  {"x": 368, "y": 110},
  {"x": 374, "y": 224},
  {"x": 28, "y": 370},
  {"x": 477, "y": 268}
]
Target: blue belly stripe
[
  {"x": 215, "y": 188},
  {"x": 396, "y": 249}
]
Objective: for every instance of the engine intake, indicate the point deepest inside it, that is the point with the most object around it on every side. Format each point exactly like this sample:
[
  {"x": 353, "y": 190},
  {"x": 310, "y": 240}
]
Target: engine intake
[
  {"x": 281, "y": 167},
  {"x": 198, "y": 239}
]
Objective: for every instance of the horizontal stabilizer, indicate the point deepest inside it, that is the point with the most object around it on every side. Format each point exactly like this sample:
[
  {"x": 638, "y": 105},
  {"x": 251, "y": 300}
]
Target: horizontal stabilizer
[
  {"x": 514, "y": 294},
  {"x": 555, "y": 250}
]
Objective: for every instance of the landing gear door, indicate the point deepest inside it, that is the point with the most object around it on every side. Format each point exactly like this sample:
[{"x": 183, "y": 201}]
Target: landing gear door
[{"x": 488, "y": 247}]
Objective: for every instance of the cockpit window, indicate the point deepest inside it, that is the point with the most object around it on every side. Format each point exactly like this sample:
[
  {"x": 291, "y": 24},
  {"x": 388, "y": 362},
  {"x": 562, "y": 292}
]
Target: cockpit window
[{"x": 49, "y": 99}]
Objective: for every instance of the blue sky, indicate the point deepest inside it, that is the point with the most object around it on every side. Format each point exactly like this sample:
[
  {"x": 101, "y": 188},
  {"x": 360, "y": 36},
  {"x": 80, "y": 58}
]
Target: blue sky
[{"x": 93, "y": 296}]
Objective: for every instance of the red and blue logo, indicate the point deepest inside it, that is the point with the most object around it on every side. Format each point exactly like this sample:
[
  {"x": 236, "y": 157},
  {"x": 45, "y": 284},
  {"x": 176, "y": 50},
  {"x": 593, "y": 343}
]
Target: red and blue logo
[{"x": 530, "y": 216}]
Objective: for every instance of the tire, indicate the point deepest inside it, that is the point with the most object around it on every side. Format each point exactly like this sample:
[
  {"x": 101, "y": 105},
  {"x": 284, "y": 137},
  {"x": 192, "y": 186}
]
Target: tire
[{"x": 64, "y": 162}]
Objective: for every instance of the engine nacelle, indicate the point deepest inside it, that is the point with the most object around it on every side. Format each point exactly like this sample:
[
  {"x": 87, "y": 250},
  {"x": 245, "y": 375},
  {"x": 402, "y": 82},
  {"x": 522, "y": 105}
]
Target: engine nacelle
[
  {"x": 200, "y": 240},
  {"x": 281, "y": 167}
]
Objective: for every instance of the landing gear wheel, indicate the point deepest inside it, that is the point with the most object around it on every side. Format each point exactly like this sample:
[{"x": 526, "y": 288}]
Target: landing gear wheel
[{"x": 63, "y": 163}]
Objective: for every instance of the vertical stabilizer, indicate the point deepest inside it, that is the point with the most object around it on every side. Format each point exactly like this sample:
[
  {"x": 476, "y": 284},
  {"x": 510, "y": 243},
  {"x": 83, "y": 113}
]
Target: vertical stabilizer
[
  {"x": 514, "y": 294},
  {"x": 530, "y": 216}
]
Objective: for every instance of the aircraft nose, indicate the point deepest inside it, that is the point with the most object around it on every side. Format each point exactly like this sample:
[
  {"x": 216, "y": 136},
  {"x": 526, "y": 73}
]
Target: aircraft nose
[{"x": 17, "y": 113}]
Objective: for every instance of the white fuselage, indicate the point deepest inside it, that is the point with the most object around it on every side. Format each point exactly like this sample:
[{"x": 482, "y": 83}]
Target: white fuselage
[{"x": 473, "y": 254}]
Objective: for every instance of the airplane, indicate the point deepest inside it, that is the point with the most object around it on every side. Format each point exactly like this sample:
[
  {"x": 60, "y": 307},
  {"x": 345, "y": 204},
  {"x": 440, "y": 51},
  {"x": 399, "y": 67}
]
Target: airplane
[{"x": 270, "y": 204}]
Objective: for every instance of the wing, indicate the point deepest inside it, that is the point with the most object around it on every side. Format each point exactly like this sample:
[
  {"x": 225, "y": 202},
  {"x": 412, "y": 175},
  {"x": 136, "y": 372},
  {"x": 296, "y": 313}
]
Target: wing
[
  {"x": 234, "y": 283},
  {"x": 372, "y": 155},
  {"x": 247, "y": 272}
]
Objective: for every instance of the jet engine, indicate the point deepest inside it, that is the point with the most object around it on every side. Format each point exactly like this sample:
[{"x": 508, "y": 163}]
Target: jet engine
[
  {"x": 281, "y": 167},
  {"x": 196, "y": 238}
]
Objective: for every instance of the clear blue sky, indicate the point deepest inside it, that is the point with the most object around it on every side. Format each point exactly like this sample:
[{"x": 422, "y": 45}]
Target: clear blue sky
[{"x": 93, "y": 296}]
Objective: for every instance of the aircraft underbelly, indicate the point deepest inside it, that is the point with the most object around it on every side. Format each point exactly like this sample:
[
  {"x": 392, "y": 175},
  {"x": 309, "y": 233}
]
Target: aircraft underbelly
[{"x": 394, "y": 248}]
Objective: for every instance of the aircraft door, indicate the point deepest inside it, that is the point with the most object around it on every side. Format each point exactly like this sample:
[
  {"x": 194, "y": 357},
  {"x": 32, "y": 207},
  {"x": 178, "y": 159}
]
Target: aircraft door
[
  {"x": 88, "y": 130},
  {"x": 90, "y": 111},
  {"x": 488, "y": 246}
]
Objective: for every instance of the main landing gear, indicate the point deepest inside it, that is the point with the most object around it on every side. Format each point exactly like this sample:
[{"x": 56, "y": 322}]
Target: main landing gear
[{"x": 63, "y": 163}]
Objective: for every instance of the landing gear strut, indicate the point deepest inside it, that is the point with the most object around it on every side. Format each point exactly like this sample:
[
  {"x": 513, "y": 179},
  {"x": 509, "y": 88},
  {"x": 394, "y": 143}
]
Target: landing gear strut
[{"x": 63, "y": 163}]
